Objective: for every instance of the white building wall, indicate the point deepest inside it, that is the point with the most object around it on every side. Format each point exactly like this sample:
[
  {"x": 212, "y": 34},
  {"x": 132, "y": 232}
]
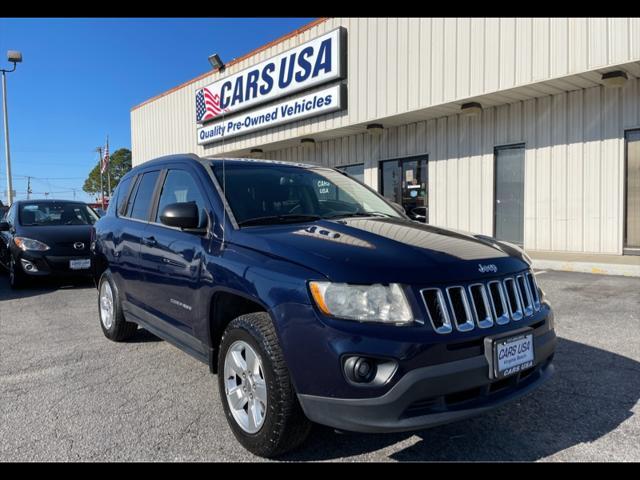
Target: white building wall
[
  {"x": 574, "y": 164},
  {"x": 400, "y": 65}
]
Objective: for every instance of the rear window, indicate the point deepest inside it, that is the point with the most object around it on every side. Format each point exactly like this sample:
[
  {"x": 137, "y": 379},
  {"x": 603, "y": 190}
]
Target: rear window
[
  {"x": 120, "y": 196},
  {"x": 142, "y": 202}
]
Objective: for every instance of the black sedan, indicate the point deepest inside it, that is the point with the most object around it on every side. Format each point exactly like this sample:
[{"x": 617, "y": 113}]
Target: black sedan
[{"x": 46, "y": 238}]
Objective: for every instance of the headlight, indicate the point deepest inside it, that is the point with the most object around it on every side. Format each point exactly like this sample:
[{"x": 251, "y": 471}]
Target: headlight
[
  {"x": 25, "y": 244},
  {"x": 369, "y": 303}
]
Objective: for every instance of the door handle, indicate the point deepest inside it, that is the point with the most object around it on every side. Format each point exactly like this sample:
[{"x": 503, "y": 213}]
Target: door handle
[{"x": 149, "y": 241}]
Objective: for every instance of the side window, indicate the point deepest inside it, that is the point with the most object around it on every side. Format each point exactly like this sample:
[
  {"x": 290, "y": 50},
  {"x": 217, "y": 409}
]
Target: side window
[
  {"x": 141, "y": 204},
  {"x": 179, "y": 186},
  {"x": 120, "y": 196}
]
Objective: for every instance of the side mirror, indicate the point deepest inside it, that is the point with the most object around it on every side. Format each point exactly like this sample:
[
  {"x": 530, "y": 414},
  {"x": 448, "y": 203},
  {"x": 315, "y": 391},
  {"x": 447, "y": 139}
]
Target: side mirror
[
  {"x": 4, "y": 227},
  {"x": 182, "y": 215}
]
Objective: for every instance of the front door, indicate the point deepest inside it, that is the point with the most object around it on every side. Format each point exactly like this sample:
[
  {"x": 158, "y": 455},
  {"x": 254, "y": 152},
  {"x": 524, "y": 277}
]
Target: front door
[
  {"x": 509, "y": 194},
  {"x": 173, "y": 258},
  {"x": 405, "y": 181}
]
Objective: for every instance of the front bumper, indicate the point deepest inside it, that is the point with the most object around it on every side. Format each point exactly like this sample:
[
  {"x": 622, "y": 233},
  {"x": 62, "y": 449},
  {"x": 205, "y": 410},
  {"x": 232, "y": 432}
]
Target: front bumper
[
  {"x": 433, "y": 395},
  {"x": 52, "y": 265}
]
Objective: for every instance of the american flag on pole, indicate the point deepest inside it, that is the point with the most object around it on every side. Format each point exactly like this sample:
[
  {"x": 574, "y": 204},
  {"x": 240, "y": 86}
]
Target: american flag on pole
[
  {"x": 207, "y": 105},
  {"x": 105, "y": 158}
]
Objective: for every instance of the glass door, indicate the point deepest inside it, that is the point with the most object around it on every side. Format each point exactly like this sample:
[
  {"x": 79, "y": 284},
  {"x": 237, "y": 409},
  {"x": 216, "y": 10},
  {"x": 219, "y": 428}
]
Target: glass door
[
  {"x": 509, "y": 194},
  {"x": 632, "y": 192},
  {"x": 405, "y": 182}
]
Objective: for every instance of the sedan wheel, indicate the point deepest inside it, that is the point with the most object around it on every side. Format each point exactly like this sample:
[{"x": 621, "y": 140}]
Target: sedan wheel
[{"x": 106, "y": 305}]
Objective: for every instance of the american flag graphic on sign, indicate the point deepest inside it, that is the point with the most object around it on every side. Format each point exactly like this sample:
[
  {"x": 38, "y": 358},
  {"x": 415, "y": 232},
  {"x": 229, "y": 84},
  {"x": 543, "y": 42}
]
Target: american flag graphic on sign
[{"x": 207, "y": 105}]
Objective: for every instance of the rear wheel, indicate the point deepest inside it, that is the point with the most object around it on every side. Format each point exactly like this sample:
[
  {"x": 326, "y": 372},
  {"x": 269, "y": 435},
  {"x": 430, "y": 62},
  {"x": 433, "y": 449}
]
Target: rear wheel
[
  {"x": 114, "y": 326},
  {"x": 16, "y": 276},
  {"x": 259, "y": 400}
]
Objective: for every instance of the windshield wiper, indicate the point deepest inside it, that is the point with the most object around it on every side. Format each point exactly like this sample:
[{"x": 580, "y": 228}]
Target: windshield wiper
[
  {"x": 279, "y": 219},
  {"x": 360, "y": 214}
]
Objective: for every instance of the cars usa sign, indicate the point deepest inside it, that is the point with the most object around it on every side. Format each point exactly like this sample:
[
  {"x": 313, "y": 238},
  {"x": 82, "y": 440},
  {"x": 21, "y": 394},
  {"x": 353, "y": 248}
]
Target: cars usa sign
[{"x": 313, "y": 63}]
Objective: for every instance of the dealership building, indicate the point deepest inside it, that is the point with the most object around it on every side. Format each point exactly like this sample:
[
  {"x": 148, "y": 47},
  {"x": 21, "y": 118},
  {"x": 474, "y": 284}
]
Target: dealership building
[{"x": 527, "y": 129}]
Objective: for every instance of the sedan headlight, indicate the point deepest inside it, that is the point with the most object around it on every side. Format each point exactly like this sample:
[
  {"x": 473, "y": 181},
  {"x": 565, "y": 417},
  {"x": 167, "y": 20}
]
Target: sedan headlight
[
  {"x": 25, "y": 244},
  {"x": 369, "y": 303}
]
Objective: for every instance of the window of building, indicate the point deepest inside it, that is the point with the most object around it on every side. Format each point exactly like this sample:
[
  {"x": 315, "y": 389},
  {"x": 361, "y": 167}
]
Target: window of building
[{"x": 356, "y": 171}]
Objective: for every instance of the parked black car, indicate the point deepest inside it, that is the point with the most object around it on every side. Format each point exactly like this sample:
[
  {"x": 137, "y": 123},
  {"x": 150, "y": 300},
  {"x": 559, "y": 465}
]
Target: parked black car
[
  {"x": 315, "y": 299},
  {"x": 46, "y": 238}
]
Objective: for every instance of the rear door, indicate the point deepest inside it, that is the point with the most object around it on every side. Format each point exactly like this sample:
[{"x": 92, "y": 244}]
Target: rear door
[{"x": 134, "y": 224}]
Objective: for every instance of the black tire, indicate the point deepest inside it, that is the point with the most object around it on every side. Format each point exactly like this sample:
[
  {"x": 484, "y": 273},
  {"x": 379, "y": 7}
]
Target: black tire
[
  {"x": 16, "y": 276},
  {"x": 119, "y": 330},
  {"x": 285, "y": 426}
]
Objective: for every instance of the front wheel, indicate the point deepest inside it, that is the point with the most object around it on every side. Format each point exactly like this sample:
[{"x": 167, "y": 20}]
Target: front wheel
[
  {"x": 258, "y": 398},
  {"x": 16, "y": 277}
]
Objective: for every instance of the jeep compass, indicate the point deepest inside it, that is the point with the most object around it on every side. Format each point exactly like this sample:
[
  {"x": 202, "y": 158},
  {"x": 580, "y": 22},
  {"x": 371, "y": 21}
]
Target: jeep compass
[{"x": 314, "y": 299}]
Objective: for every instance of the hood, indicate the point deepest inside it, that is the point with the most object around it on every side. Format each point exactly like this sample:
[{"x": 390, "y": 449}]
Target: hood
[
  {"x": 383, "y": 250},
  {"x": 59, "y": 238}
]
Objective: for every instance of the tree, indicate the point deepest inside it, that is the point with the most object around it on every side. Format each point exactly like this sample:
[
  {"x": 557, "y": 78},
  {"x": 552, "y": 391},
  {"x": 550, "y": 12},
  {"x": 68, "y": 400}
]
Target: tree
[{"x": 119, "y": 164}]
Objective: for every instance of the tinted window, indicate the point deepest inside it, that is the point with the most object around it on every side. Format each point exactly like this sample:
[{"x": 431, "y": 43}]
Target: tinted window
[
  {"x": 179, "y": 186},
  {"x": 119, "y": 197},
  {"x": 279, "y": 193},
  {"x": 56, "y": 213},
  {"x": 142, "y": 202}
]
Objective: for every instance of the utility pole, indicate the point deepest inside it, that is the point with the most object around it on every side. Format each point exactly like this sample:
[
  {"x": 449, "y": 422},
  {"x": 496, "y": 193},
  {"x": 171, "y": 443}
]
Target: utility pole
[{"x": 28, "y": 188}]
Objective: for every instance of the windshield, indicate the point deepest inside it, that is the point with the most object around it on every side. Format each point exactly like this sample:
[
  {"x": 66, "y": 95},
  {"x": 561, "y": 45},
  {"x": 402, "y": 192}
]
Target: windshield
[
  {"x": 265, "y": 194},
  {"x": 55, "y": 214}
]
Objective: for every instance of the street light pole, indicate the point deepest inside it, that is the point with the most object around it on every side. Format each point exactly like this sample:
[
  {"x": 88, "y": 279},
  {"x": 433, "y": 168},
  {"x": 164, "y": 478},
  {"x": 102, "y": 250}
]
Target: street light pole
[
  {"x": 14, "y": 57},
  {"x": 7, "y": 155}
]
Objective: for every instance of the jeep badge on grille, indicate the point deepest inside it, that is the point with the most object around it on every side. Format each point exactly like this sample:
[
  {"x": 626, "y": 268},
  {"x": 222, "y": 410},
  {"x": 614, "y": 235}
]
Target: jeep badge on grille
[{"x": 487, "y": 268}]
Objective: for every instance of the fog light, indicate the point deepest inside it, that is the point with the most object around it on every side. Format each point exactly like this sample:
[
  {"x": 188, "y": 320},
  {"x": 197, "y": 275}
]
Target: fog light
[
  {"x": 27, "y": 266},
  {"x": 360, "y": 369}
]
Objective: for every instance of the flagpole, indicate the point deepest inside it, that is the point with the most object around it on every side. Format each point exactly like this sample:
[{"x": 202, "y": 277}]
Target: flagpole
[
  {"x": 99, "y": 150},
  {"x": 108, "y": 171}
]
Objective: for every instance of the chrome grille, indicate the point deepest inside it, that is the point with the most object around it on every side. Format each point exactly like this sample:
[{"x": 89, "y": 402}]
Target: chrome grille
[
  {"x": 437, "y": 310},
  {"x": 482, "y": 304},
  {"x": 462, "y": 316}
]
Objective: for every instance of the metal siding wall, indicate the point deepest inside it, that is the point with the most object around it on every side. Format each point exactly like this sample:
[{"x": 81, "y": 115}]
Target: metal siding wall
[
  {"x": 573, "y": 164},
  {"x": 396, "y": 65}
]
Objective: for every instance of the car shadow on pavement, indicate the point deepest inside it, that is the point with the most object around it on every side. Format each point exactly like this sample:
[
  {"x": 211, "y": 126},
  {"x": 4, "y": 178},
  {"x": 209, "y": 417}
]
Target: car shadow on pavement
[
  {"x": 591, "y": 394},
  {"x": 143, "y": 336},
  {"x": 39, "y": 286}
]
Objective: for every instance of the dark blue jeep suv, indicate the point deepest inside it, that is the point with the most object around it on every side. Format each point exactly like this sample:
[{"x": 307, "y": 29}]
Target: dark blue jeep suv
[{"x": 314, "y": 299}]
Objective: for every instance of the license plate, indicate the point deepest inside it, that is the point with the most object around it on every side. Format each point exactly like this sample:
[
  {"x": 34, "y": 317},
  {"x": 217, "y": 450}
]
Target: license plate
[
  {"x": 80, "y": 264},
  {"x": 512, "y": 354}
]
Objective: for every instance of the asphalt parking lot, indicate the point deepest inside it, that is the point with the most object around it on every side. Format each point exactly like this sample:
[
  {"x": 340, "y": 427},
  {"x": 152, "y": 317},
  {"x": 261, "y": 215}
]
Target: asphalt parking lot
[{"x": 67, "y": 393}]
